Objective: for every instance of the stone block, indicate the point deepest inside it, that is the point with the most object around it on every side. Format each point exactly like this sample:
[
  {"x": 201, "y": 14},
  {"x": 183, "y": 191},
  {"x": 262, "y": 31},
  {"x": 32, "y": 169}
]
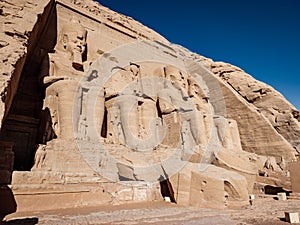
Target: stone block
[
  {"x": 141, "y": 194},
  {"x": 43, "y": 197},
  {"x": 167, "y": 199},
  {"x": 181, "y": 184},
  {"x": 281, "y": 196},
  {"x": 295, "y": 176},
  {"x": 38, "y": 177},
  {"x": 291, "y": 217},
  {"x": 172, "y": 136},
  {"x": 136, "y": 191},
  {"x": 125, "y": 172},
  {"x": 125, "y": 195},
  {"x": 252, "y": 197},
  {"x": 206, "y": 190},
  {"x": 213, "y": 187}
]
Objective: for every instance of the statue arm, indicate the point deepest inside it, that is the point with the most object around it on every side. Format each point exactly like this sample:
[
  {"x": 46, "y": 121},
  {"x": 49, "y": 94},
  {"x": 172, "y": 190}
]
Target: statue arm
[
  {"x": 52, "y": 79},
  {"x": 47, "y": 74}
]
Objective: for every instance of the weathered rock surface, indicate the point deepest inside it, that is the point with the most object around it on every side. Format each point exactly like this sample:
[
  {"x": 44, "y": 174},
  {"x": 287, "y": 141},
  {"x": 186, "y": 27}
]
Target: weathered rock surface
[
  {"x": 99, "y": 108},
  {"x": 283, "y": 116}
]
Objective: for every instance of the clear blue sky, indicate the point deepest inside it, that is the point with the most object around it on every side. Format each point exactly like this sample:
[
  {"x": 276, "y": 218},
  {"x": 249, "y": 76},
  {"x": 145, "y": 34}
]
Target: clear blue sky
[{"x": 261, "y": 37}]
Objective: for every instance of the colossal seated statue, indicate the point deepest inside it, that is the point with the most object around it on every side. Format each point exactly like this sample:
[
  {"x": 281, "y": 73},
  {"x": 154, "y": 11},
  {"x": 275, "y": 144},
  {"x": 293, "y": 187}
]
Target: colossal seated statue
[
  {"x": 174, "y": 99},
  {"x": 128, "y": 111},
  {"x": 59, "y": 75}
]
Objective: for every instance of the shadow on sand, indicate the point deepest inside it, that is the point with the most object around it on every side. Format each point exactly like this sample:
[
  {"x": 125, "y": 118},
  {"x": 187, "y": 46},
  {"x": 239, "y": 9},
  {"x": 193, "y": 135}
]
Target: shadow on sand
[{"x": 25, "y": 221}]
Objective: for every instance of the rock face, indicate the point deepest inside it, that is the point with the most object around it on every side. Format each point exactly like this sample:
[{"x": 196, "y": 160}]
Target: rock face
[
  {"x": 98, "y": 109},
  {"x": 270, "y": 104}
]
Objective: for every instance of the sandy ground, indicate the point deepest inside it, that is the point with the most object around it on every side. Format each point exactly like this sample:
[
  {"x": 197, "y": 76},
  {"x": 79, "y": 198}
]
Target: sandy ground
[{"x": 264, "y": 211}]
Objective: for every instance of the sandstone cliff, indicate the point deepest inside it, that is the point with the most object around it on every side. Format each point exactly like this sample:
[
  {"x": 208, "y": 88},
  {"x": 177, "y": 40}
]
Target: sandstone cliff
[{"x": 225, "y": 126}]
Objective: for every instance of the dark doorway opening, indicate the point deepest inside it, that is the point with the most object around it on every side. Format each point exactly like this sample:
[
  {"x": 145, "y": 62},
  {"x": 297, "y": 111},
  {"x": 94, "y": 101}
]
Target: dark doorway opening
[{"x": 166, "y": 189}]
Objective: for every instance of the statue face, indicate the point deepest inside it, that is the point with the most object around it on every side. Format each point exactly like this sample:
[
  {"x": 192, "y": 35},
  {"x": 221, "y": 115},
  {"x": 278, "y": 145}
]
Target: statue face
[
  {"x": 75, "y": 42},
  {"x": 74, "y": 37},
  {"x": 178, "y": 79},
  {"x": 194, "y": 90},
  {"x": 134, "y": 70}
]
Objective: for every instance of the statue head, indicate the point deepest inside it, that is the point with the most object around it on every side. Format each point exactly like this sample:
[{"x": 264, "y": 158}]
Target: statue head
[
  {"x": 74, "y": 42},
  {"x": 134, "y": 69},
  {"x": 177, "y": 78},
  {"x": 194, "y": 90}
]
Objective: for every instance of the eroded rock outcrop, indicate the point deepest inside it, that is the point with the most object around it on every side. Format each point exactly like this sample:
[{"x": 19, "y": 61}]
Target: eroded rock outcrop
[
  {"x": 283, "y": 116},
  {"x": 267, "y": 102}
]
